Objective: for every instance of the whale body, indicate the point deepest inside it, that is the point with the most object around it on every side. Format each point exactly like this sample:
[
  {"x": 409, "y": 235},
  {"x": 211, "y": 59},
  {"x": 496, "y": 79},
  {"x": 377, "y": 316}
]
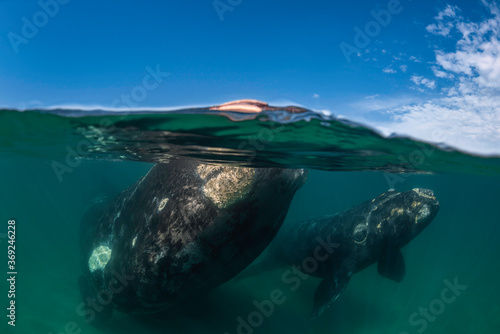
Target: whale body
[
  {"x": 181, "y": 230},
  {"x": 334, "y": 247}
]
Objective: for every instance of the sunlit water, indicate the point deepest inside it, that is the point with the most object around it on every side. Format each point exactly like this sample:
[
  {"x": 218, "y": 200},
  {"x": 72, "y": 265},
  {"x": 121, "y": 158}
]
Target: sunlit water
[{"x": 55, "y": 164}]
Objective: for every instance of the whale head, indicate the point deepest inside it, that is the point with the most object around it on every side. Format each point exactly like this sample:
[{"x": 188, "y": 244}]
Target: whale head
[
  {"x": 397, "y": 217},
  {"x": 393, "y": 219},
  {"x": 401, "y": 216}
]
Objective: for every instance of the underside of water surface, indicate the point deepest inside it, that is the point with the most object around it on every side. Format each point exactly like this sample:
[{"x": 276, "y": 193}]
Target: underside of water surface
[{"x": 59, "y": 162}]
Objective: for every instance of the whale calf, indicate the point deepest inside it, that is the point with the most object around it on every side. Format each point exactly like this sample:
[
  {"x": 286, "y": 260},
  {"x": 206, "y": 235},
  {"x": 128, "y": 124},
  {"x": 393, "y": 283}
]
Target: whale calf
[
  {"x": 334, "y": 247},
  {"x": 181, "y": 230}
]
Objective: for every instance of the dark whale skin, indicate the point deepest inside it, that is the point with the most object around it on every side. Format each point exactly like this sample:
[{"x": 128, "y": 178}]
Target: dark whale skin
[
  {"x": 389, "y": 223},
  {"x": 347, "y": 242},
  {"x": 181, "y": 230}
]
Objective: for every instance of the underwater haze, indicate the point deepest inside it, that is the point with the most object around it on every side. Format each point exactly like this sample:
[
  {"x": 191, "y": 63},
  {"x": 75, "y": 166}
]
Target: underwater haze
[{"x": 451, "y": 267}]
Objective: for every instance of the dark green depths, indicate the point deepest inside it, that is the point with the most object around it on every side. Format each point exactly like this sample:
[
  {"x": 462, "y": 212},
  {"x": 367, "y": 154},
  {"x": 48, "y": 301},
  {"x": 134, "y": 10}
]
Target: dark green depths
[{"x": 181, "y": 230}]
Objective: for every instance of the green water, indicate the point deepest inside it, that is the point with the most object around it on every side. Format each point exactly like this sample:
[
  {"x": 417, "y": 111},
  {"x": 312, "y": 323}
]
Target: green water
[{"x": 349, "y": 165}]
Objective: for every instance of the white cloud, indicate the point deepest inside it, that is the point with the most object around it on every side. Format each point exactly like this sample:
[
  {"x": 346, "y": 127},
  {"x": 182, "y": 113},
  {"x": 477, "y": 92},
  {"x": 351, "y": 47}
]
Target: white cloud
[
  {"x": 403, "y": 68},
  {"x": 440, "y": 28},
  {"x": 389, "y": 70},
  {"x": 449, "y": 11},
  {"x": 415, "y": 59},
  {"x": 477, "y": 59},
  {"x": 477, "y": 53},
  {"x": 315, "y": 95},
  {"x": 444, "y": 21},
  {"x": 421, "y": 81},
  {"x": 470, "y": 123},
  {"x": 381, "y": 103},
  {"x": 441, "y": 74},
  {"x": 468, "y": 114}
]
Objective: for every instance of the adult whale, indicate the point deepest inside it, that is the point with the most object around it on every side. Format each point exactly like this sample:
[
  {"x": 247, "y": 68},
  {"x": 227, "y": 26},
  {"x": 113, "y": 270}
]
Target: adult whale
[
  {"x": 181, "y": 230},
  {"x": 336, "y": 246}
]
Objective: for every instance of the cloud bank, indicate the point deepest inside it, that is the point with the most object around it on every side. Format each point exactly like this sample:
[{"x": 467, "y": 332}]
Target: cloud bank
[{"x": 467, "y": 115}]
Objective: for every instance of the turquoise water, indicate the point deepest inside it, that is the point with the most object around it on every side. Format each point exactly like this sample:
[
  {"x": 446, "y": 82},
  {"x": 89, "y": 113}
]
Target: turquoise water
[{"x": 47, "y": 194}]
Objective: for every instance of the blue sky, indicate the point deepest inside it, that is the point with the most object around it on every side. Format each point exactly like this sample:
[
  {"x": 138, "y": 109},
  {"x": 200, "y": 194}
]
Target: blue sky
[{"x": 429, "y": 69}]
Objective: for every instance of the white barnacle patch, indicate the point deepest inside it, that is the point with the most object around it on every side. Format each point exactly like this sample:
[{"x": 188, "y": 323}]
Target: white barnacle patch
[
  {"x": 225, "y": 185},
  {"x": 99, "y": 258},
  {"x": 163, "y": 203},
  {"x": 379, "y": 225},
  {"x": 397, "y": 211},
  {"x": 424, "y": 193},
  {"x": 422, "y": 214}
]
